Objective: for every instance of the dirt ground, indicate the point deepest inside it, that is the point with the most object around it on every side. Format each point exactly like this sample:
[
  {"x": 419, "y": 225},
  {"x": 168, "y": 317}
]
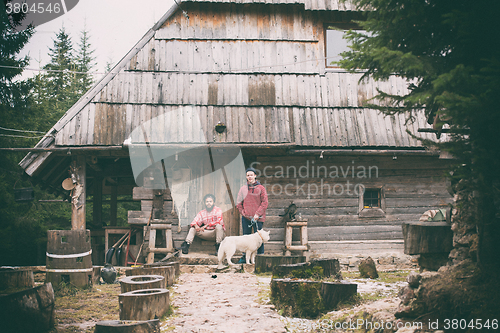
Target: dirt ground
[
  {"x": 222, "y": 302},
  {"x": 239, "y": 302},
  {"x": 227, "y": 302}
]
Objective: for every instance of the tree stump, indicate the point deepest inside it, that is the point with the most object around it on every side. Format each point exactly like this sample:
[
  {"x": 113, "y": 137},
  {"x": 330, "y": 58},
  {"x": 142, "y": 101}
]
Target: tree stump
[
  {"x": 128, "y": 326},
  {"x": 175, "y": 264},
  {"x": 334, "y": 292},
  {"x": 309, "y": 299},
  {"x": 16, "y": 279},
  {"x": 166, "y": 271},
  {"x": 427, "y": 237},
  {"x": 297, "y": 298},
  {"x": 265, "y": 263},
  {"x": 319, "y": 268},
  {"x": 30, "y": 310},
  {"x": 137, "y": 282},
  {"x": 145, "y": 304}
]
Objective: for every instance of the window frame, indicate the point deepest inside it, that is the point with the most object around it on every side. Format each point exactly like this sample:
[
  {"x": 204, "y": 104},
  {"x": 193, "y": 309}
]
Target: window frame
[
  {"x": 344, "y": 25},
  {"x": 372, "y": 211}
]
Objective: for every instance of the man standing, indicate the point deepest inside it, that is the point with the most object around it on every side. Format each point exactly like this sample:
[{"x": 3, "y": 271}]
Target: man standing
[
  {"x": 207, "y": 225},
  {"x": 252, "y": 203}
]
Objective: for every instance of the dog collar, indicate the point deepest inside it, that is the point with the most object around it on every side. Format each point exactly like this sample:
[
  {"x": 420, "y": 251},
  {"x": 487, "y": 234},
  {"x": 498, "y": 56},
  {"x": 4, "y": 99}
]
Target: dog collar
[{"x": 258, "y": 231}]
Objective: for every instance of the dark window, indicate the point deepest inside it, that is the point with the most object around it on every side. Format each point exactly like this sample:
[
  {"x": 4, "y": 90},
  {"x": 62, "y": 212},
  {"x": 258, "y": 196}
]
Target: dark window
[{"x": 371, "y": 198}]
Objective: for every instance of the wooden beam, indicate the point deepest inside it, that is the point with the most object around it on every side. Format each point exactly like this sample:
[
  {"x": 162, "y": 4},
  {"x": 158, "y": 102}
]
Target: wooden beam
[{"x": 78, "y": 207}]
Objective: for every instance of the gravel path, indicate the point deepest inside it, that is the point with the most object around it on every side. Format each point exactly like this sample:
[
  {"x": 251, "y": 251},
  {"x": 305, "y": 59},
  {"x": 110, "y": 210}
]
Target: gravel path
[{"x": 221, "y": 302}]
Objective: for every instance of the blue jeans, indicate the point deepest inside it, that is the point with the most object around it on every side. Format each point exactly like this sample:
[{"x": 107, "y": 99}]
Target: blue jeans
[{"x": 249, "y": 230}]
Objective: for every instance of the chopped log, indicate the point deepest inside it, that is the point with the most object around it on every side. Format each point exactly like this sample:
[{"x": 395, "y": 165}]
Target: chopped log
[
  {"x": 137, "y": 282},
  {"x": 318, "y": 269},
  {"x": 16, "y": 279},
  {"x": 145, "y": 304},
  {"x": 168, "y": 272},
  {"x": 265, "y": 263},
  {"x": 427, "y": 237},
  {"x": 297, "y": 298},
  {"x": 128, "y": 326},
  {"x": 335, "y": 292},
  {"x": 30, "y": 310}
]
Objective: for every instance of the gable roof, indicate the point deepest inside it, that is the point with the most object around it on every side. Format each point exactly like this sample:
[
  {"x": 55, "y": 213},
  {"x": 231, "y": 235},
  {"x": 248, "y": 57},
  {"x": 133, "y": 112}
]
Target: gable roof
[{"x": 281, "y": 98}]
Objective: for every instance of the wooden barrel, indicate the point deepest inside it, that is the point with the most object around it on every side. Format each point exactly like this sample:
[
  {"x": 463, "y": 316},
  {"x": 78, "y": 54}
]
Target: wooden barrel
[{"x": 69, "y": 257}]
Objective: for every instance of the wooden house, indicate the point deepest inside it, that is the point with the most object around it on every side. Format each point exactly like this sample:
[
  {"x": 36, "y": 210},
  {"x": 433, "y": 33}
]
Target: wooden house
[{"x": 262, "y": 72}]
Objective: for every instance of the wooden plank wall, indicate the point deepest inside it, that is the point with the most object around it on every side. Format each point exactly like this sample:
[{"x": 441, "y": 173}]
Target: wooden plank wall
[{"x": 411, "y": 186}]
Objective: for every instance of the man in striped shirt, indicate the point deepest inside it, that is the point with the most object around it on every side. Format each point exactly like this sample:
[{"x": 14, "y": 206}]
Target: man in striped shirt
[{"x": 207, "y": 225}]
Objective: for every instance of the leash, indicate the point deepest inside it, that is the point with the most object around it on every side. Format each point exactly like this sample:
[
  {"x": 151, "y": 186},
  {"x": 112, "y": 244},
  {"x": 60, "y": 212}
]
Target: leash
[{"x": 253, "y": 223}]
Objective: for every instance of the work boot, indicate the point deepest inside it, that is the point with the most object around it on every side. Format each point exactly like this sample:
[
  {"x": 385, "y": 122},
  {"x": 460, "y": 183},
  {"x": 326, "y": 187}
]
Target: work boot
[
  {"x": 185, "y": 247},
  {"x": 217, "y": 245}
]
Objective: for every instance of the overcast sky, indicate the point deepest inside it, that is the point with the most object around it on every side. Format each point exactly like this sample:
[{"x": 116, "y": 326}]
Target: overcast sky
[{"x": 114, "y": 26}]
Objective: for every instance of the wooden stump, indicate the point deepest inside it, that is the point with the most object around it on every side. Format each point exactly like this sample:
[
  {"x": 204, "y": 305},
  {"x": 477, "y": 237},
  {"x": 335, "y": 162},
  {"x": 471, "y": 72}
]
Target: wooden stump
[
  {"x": 137, "y": 282},
  {"x": 175, "y": 264},
  {"x": 314, "y": 269},
  {"x": 30, "y": 310},
  {"x": 128, "y": 326},
  {"x": 16, "y": 279},
  {"x": 309, "y": 299},
  {"x": 265, "y": 263},
  {"x": 331, "y": 267},
  {"x": 334, "y": 292},
  {"x": 145, "y": 304},
  {"x": 297, "y": 298},
  {"x": 427, "y": 237},
  {"x": 168, "y": 272}
]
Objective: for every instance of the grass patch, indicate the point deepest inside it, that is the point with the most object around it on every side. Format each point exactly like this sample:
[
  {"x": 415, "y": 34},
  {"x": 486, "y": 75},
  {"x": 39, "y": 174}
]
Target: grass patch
[{"x": 74, "y": 306}]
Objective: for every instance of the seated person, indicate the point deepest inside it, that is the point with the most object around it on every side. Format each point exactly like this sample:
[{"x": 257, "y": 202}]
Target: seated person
[{"x": 207, "y": 225}]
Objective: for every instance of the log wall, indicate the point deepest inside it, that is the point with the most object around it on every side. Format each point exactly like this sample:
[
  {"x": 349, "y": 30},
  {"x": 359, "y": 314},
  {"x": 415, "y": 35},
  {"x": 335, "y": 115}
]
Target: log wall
[{"x": 410, "y": 186}]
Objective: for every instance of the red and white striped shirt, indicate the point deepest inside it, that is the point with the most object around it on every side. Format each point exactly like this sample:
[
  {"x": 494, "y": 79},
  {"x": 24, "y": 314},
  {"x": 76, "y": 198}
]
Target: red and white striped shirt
[{"x": 210, "y": 219}]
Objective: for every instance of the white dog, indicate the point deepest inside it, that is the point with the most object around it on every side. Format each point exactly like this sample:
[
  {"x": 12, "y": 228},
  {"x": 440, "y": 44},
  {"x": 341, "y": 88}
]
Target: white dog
[{"x": 248, "y": 244}]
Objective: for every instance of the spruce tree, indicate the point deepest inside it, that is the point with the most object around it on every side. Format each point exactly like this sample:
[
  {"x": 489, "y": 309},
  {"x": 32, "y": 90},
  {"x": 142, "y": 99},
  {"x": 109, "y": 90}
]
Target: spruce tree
[
  {"x": 59, "y": 78},
  {"x": 85, "y": 63}
]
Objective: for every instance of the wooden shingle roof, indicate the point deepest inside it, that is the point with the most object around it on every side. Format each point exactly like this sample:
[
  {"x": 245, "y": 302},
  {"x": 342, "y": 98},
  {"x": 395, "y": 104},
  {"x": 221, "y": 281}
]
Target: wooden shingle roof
[{"x": 266, "y": 86}]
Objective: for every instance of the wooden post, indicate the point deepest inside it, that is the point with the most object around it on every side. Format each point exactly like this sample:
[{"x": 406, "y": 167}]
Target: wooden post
[
  {"x": 288, "y": 239},
  {"x": 152, "y": 241},
  {"x": 79, "y": 194}
]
